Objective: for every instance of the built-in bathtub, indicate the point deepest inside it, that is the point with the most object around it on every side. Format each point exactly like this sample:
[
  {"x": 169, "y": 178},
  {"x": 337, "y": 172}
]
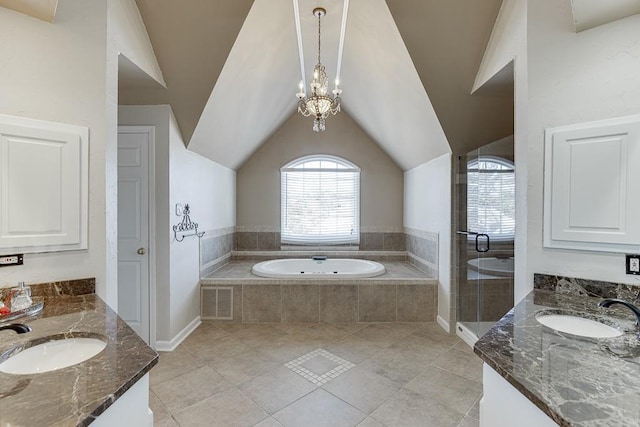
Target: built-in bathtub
[
  {"x": 502, "y": 267},
  {"x": 399, "y": 293},
  {"x": 318, "y": 268}
]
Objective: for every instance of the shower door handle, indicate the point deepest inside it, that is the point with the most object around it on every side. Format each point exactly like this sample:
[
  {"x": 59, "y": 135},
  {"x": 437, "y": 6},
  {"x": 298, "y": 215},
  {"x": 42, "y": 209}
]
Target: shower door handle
[{"x": 478, "y": 236}]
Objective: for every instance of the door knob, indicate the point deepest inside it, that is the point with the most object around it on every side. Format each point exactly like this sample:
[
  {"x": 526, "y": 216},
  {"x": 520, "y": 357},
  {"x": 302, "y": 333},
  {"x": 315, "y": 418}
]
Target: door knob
[{"x": 141, "y": 251}]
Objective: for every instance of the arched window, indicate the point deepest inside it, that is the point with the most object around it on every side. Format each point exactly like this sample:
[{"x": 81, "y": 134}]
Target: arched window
[
  {"x": 320, "y": 201},
  {"x": 491, "y": 197}
]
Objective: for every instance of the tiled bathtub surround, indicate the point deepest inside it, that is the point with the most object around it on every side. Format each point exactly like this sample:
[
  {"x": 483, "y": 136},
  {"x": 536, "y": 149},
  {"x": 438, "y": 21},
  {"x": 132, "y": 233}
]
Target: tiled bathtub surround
[
  {"x": 371, "y": 239},
  {"x": 258, "y": 240},
  {"x": 215, "y": 249},
  {"x": 393, "y": 256},
  {"x": 403, "y": 294},
  {"x": 422, "y": 247},
  {"x": 382, "y": 241}
]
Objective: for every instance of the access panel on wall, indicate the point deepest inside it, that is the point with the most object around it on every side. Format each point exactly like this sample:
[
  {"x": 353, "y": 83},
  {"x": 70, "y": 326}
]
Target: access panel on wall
[
  {"x": 592, "y": 179},
  {"x": 43, "y": 186}
]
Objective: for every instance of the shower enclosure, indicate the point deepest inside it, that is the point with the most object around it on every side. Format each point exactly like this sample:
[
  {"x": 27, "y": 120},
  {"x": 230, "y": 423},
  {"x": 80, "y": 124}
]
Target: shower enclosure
[{"x": 485, "y": 229}]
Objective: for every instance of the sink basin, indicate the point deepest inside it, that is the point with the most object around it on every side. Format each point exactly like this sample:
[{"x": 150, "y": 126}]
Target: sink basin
[
  {"x": 576, "y": 325},
  {"x": 52, "y": 355}
]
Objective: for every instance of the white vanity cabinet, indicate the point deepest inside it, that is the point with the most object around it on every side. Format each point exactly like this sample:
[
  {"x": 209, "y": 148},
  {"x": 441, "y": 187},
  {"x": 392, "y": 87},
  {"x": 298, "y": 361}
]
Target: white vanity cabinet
[
  {"x": 502, "y": 405},
  {"x": 131, "y": 409},
  {"x": 591, "y": 199},
  {"x": 43, "y": 186}
]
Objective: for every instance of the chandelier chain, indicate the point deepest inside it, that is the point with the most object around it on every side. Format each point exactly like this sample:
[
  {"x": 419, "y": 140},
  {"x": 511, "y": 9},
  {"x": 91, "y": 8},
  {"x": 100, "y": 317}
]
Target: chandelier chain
[{"x": 319, "y": 15}]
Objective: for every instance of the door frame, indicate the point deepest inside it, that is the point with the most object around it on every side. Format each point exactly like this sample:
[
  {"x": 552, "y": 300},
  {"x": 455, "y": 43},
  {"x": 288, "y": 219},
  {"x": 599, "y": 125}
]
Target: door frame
[{"x": 150, "y": 131}]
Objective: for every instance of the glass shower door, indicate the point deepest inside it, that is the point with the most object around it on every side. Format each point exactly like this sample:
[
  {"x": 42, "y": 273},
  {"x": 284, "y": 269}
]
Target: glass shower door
[
  {"x": 472, "y": 247},
  {"x": 486, "y": 224}
]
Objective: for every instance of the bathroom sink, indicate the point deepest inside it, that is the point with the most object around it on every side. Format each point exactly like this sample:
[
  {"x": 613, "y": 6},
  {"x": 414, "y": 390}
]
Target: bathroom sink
[
  {"x": 52, "y": 355},
  {"x": 574, "y": 324}
]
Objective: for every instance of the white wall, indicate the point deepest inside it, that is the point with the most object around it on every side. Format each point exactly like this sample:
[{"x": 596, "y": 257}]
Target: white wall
[
  {"x": 210, "y": 191},
  {"x": 131, "y": 38},
  {"x": 507, "y": 38},
  {"x": 427, "y": 207},
  {"x": 57, "y": 72},
  {"x": 573, "y": 78}
]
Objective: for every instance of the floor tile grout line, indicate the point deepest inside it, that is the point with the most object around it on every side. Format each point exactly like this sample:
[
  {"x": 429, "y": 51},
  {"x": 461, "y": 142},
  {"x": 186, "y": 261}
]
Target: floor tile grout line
[
  {"x": 347, "y": 403},
  {"x": 455, "y": 373},
  {"x": 474, "y": 404},
  {"x": 349, "y": 332}
]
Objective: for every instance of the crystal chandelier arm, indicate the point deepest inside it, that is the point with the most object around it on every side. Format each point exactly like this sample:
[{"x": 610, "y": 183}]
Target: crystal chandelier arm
[{"x": 302, "y": 108}]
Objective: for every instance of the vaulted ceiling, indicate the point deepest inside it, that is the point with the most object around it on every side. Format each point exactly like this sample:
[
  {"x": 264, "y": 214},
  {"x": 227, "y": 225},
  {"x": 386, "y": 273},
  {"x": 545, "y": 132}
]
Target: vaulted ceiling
[{"x": 232, "y": 68}]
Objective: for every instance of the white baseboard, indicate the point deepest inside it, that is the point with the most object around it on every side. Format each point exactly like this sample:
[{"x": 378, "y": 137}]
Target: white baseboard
[
  {"x": 443, "y": 323},
  {"x": 175, "y": 341}
]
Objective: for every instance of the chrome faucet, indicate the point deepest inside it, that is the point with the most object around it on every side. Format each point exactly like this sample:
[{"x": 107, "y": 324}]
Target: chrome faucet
[
  {"x": 606, "y": 303},
  {"x": 19, "y": 328}
]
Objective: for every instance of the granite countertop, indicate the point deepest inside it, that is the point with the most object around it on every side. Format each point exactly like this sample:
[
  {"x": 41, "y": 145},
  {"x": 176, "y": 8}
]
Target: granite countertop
[
  {"x": 73, "y": 396},
  {"x": 575, "y": 381}
]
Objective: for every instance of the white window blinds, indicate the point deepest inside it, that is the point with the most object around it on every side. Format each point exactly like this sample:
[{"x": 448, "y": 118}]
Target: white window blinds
[
  {"x": 491, "y": 197},
  {"x": 320, "y": 201}
]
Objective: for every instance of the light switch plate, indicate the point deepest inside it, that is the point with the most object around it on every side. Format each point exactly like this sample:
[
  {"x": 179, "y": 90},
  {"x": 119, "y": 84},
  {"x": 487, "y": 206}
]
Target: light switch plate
[
  {"x": 633, "y": 264},
  {"x": 179, "y": 209}
]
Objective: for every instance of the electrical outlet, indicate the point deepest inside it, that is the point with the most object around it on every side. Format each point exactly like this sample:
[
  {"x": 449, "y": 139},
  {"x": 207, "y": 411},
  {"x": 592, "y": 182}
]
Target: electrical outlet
[
  {"x": 9, "y": 260},
  {"x": 633, "y": 264}
]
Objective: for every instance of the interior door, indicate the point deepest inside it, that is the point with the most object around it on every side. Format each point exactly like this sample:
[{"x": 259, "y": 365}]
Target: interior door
[{"x": 133, "y": 227}]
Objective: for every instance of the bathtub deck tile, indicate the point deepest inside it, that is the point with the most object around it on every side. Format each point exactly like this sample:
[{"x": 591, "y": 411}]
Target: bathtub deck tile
[{"x": 396, "y": 270}]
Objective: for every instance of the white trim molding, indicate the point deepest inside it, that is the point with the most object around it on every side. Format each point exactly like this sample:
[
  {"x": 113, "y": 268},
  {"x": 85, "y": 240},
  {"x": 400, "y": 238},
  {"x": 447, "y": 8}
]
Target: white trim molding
[{"x": 180, "y": 336}]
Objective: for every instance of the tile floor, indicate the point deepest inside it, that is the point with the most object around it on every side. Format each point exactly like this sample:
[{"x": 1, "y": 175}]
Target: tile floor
[{"x": 307, "y": 375}]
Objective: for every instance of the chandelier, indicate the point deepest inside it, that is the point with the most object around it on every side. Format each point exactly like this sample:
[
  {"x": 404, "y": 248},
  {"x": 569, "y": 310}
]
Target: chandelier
[{"x": 320, "y": 103}]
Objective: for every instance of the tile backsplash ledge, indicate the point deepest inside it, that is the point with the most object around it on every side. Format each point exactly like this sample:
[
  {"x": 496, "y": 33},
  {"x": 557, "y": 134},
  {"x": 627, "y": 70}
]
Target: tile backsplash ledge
[{"x": 586, "y": 287}]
